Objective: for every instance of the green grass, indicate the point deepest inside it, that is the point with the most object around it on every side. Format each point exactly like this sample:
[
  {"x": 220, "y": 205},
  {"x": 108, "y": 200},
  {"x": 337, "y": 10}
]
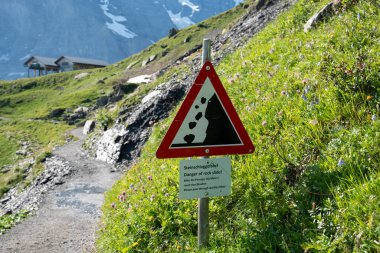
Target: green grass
[
  {"x": 41, "y": 137},
  {"x": 8, "y": 220},
  {"x": 307, "y": 100}
]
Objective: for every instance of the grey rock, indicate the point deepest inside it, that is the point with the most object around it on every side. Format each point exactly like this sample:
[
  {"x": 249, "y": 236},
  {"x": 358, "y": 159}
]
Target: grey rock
[
  {"x": 88, "y": 126},
  {"x": 322, "y": 14},
  {"x": 55, "y": 113},
  {"x": 152, "y": 58},
  {"x": 145, "y": 62},
  {"x": 55, "y": 171},
  {"x": 102, "y": 101},
  {"x": 131, "y": 65},
  {"x": 109, "y": 145},
  {"x": 81, "y": 109},
  {"x": 21, "y": 152},
  {"x": 5, "y": 200}
]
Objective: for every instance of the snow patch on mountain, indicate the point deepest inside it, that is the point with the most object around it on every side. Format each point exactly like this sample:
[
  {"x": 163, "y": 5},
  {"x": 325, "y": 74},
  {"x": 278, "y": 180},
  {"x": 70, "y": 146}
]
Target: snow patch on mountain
[
  {"x": 192, "y": 6},
  {"x": 179, "y": 21},
  {"x": 116, "y": 26}
]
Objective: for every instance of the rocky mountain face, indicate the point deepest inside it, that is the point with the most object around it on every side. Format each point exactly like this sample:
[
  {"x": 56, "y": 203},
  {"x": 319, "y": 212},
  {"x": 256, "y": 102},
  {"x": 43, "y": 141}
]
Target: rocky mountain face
[{"x": 108, "y": 30}]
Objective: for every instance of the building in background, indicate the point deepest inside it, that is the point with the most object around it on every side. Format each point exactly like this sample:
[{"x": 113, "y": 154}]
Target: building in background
[{"x": 45, "y": 65}]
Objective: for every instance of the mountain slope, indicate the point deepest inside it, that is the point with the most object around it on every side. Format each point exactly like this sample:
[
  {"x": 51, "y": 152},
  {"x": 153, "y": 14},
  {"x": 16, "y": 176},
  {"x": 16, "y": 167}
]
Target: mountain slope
[
  {"x": 100, "y": 29},
  {"x": 310, "y": 102},
  {"x": 36, "y": 113}
]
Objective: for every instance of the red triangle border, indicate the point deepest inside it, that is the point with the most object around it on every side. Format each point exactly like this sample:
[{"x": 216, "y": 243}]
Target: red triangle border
[{"x": 164, "y": 150}]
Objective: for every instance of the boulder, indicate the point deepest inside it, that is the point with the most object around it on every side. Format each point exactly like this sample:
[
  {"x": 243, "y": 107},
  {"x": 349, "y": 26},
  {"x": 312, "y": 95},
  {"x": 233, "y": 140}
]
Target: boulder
[
  {"x": 102, "y": 101},
  {"x": 144, "y": 63},
  {"x": 81, "y": 109},
  {"x": 152, "y": 58},
  {"x": 80, "y": 76},
  {"x": 110, "y": 144},
  {"x": 55, "y": 113},
  {"x": 21, "y": 152},
  {"x": 88, "y": 126},
  {"x": 321, "y": 15}
]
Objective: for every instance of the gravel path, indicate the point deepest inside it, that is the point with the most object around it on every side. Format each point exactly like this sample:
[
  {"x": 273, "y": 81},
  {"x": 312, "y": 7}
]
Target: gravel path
[{"x": 68, "y": 216}]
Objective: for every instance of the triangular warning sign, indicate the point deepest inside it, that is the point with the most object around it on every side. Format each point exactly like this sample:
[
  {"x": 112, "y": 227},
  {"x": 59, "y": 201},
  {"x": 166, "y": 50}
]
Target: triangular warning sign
[{"x": 207, "y": 123}]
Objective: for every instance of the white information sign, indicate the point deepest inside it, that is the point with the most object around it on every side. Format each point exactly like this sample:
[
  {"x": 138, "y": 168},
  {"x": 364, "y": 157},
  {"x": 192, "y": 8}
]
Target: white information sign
[{"x": 202, "y": 178}]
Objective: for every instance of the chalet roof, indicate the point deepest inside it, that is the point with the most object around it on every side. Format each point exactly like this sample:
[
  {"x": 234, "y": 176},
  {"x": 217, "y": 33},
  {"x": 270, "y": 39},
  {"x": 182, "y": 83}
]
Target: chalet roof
[
  {"x": 42, "y": 61},
  {"x": 83, "y": 61}
]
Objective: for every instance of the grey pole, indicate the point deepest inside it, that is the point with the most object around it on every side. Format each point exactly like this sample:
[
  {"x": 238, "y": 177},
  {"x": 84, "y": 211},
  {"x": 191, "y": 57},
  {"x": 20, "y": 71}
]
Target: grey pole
[{"x": 203, "y": 203}]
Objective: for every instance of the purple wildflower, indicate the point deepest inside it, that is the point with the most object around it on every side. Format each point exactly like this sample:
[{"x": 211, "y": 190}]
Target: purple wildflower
[
  {"x": 374, "y": 117},
  {"x": 341, "y": 163}
]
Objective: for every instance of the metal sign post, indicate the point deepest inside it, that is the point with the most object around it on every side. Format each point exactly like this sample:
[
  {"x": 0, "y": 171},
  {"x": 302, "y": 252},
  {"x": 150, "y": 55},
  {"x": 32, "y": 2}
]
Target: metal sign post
[
  {"x": 203, "y": 203},
  {"x": 206, "y": 124}
]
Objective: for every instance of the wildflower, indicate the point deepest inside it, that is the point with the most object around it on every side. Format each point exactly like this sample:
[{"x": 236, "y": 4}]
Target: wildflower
[
  {"x": 124, "y": 193},
  {"x": 374, "y": 117},
  {"x": 153, "y": 197},
  {"x": 264, "y": 123},
  {"x": 150, "y": 178},
  {"x": 250, "y": 220},
  {"x": 369, "y": 97},
  {"x": 280, "y": 113},
  {"x": 131, "y": 186},
  {"x": 121, "y": 198},
  {"x": 283, "y": 92},
  {"x": 341, "y": 163},
  {"x": 113, "y": 205},
  {"x": 304, "y": 97},
  {"x": 304, "y": 81}
]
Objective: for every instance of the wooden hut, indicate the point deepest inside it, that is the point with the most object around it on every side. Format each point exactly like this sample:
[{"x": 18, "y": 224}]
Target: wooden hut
[
  {"x": 41, "y": 65},
  {"x": 69, "y": 63}
]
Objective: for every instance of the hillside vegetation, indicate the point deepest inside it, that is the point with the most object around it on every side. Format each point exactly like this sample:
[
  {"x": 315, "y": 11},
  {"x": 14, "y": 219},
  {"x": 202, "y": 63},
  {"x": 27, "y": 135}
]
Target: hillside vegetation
[
  {"x": 34, "y": 111},
  {"x": 310, "y": 102}
]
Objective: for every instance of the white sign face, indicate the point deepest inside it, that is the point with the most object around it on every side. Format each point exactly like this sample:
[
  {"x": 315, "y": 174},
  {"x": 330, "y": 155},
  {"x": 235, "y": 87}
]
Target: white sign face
[
  {"x": 206, "y": 123},
  {"x": 201, "y": 178}
]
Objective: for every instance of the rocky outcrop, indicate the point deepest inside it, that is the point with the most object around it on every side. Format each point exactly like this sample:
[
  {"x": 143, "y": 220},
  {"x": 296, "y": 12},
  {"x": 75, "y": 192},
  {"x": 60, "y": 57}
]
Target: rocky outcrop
[
  {"x": 56, "y": 170},
  {"x": 109, "y": 146},
  {"x": 123, "y": 142}
]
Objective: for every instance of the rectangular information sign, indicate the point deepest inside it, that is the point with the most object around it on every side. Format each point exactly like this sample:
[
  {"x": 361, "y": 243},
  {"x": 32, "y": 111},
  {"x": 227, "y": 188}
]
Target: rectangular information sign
[{"x": 202, "y": 178}]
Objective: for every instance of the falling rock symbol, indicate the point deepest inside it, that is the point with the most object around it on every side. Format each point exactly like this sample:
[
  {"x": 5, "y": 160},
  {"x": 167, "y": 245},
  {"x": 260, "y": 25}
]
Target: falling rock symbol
[{"x": 189, "y": 138}]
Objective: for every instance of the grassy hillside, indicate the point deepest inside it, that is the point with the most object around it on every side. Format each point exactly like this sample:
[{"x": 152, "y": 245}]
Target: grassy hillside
[
  {"x": 26, "y": 105},
  {"x": 310, "y": 102}
]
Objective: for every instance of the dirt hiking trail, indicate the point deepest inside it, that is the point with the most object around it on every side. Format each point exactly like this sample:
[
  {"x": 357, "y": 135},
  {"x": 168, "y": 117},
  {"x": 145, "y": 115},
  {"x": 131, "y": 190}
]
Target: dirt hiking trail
[{"x": 68, "y": 216}]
